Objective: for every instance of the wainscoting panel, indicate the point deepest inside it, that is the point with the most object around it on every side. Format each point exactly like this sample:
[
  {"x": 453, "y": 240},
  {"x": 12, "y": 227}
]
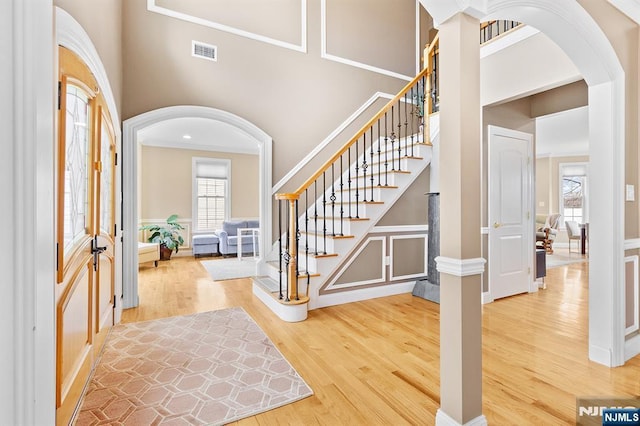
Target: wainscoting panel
[
  {"x": 408, "y": 256},
  {"x": 389, "y": 255},
  {"x": 360, "y": 271},
  {"x": 632, "y": 295}
]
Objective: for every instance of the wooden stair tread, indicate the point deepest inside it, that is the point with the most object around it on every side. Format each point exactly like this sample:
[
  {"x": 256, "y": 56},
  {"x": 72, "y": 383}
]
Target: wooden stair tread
[
  {"x": 333, "y": 237},
  {"x": 361, "y": 188},
  {"x": 352, "y": 219},
  {"x": 359, "y": 202}
]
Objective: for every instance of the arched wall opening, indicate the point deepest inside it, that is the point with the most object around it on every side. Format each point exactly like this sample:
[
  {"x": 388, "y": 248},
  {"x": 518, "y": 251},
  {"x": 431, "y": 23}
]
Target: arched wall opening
[
  {"x": 131, "y": 127},
  {"x": 570, "y": 26}
]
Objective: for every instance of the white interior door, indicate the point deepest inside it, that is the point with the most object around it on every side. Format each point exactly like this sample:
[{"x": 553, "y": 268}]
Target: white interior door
[{"x": 510, "y": 212}]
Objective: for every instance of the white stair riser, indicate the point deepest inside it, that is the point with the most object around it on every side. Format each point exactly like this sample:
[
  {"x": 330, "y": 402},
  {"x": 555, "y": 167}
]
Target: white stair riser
[
  {"x": 360, "y": 210},
  {"x": 330, "y": 245},
  {"x": 346, "y": 227}
]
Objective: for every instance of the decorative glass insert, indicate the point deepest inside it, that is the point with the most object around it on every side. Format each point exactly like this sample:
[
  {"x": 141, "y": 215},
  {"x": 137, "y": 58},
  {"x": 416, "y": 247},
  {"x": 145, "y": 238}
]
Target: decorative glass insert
[
  {"x": 76, "y": 204},
  {"x": 211, "y": 202},
  {"x": 106, "y": 180}
]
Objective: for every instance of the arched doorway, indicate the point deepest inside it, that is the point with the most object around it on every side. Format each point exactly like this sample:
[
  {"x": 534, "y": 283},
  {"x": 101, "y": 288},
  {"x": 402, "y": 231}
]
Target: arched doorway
[
  {"x": 131, "y": 127},
  {"x": 579, "y": 36}
]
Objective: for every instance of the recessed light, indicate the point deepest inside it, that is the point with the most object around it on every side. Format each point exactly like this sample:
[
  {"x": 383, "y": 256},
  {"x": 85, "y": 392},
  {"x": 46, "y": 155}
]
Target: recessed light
[{"x": 186, "y": 137}]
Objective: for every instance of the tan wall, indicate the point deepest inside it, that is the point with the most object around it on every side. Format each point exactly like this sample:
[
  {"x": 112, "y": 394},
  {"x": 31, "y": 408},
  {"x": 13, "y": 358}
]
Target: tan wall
[
  {"x": 563, "y": 98},
  {"x": 166, "y": 182},
  {"x": 543, "y": 186},
  {"x": 411, "y": 208},
  {"x": 297, "y": 98},
  {"x": 102, "y": 20},
  {"x": 501, "y": 74}
]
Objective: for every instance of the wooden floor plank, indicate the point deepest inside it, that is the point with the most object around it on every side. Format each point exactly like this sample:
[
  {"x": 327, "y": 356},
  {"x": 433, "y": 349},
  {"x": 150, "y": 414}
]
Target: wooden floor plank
[{"x": 377, "y": 362}]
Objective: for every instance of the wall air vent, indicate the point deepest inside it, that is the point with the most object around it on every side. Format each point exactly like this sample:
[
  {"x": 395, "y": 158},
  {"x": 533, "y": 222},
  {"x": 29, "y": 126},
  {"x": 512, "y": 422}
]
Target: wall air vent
[{"x": 204, "y": 51}]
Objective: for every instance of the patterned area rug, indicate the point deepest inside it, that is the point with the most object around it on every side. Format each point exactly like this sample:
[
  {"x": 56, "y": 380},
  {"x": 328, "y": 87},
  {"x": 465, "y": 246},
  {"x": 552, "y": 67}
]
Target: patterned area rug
[
  {"x": 228, "y": 269},
  {"x": 210, "y": 368}
]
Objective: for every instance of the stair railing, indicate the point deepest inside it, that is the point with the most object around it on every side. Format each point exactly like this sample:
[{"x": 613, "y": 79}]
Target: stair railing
[
  {"x": 343, "y": 184},
  {"x": 492, "y": 29}
]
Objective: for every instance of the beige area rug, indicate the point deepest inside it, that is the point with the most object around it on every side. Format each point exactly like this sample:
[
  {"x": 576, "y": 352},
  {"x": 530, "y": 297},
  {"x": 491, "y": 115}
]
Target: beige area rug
[
  {"x": 555, "y": 260},
  {"x": 228, "y": 269},
  {"x": 210, "y": 368}
]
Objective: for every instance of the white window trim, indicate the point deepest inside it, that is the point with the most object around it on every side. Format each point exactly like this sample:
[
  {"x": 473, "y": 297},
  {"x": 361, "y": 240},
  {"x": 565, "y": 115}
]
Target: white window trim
[
  {"x": 194, "y": 191},
  {"x": 585, "y": 203}
]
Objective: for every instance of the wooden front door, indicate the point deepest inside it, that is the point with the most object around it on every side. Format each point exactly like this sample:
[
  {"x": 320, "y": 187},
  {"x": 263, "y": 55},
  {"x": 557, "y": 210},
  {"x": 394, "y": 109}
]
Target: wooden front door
[{"x": 85, "y": 230}]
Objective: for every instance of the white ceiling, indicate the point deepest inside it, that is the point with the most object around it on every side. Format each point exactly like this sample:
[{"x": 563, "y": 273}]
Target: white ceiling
[
  {"x": 206, "y": 135},
  {"x": 563, "y": 134}
]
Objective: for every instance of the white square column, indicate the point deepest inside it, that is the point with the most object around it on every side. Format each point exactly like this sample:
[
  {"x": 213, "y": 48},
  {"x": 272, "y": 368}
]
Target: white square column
[{"x": 459, "y": 262}]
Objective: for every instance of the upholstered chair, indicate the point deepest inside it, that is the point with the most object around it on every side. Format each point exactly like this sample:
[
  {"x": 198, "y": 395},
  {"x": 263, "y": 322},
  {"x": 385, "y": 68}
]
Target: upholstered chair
[
  {"x": 573, "y": 232},
  {"x": 546, "y": 234}
]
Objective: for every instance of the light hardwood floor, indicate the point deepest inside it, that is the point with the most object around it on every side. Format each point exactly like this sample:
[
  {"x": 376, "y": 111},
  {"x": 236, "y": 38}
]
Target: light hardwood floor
[{"x": 377, "y": 362}]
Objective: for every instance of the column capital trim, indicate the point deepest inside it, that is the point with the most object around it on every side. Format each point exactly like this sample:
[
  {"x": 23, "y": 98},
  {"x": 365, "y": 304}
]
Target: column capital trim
[{"x": 460, "y": 267}]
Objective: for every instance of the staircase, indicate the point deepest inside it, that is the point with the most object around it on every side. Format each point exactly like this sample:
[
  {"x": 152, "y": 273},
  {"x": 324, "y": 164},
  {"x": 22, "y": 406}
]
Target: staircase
[{"x": 325, "y": 219}]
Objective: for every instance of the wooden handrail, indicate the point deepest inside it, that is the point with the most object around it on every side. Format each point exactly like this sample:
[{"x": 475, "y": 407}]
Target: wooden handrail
[{"x": 364, "y": 129}]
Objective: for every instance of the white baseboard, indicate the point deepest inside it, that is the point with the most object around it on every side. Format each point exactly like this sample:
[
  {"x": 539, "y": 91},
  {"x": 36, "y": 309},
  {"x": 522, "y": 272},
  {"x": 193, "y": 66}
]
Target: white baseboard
[
  {"x": 600, "y": 355},
  {"x": 340, "y": 298},
  {"x": 486, "y": 297},
  {"x": 632, "y": 347},
  {"x": 288, "y": 313}
]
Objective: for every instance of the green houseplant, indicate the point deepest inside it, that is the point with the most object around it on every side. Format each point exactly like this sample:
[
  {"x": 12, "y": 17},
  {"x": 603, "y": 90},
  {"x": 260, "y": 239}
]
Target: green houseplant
[{"x": 166, "y": 235}]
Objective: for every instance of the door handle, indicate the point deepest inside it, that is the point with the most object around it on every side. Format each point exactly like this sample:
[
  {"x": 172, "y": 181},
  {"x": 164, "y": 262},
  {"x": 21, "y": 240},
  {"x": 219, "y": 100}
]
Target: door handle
[
  {"x": 95, "y": 251},
  {"x": 497, "y": 225}
]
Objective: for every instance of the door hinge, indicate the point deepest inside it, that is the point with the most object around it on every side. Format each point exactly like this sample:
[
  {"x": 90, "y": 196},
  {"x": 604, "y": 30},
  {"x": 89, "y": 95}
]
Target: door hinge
[
  {"x": 529, "y": 271},
  {"x": 114, "y": 301},
  {"x": 115, "y": 159},
  {"x": 59, "y": 94},
  {"x": 115, "y": 229},
  {"x": 98, "y": 166},
  {"x": 528, "y": 215},
  {"x": 57, "y": 256}
]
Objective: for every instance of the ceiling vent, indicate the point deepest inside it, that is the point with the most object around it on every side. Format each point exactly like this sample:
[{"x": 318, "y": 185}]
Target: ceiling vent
[{"x": 204, "y": 51}]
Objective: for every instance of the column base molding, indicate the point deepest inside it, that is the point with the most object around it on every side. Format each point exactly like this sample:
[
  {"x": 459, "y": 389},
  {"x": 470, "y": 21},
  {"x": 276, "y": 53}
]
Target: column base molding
[{"x": 443, "y": 419}]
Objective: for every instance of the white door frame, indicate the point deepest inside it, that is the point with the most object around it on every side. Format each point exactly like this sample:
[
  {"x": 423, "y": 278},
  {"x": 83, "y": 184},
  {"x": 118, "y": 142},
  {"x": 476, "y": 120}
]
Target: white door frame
[
  {"x": 528, "y": 234},
  {"x": 131, "y": 127}
]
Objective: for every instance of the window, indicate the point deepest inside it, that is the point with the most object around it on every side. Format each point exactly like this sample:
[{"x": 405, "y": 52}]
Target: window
[
  {"x": 573, "y": 192},
  {"x": 211, "y": 193}
]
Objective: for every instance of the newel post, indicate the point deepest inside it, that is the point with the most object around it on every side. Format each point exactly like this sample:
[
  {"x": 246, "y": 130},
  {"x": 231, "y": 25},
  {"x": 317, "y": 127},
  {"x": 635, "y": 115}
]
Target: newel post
[
  {"x": 293, "y": 249},
  {"x": 291, "y": 252}
]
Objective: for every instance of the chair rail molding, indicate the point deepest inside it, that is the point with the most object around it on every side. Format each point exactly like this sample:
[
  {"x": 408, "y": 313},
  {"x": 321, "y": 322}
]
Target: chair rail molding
[{"x": 460, "y": 267}]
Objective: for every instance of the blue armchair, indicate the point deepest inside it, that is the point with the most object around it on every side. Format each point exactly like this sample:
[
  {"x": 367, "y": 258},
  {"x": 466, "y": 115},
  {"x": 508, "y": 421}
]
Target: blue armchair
[{"x": 228, "y": 236}]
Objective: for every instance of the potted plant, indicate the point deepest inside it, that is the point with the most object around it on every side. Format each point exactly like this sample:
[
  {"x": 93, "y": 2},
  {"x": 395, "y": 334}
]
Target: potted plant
[{"x": 166, "y": 235}]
